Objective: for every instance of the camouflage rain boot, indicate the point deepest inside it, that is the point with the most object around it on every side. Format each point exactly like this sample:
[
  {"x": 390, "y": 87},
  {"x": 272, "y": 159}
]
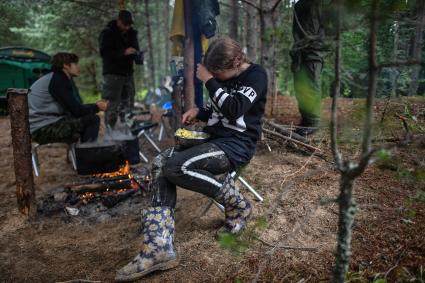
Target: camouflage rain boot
[
  {"x": 236, "y": 208},
  {"x": 157, "y": 252}
]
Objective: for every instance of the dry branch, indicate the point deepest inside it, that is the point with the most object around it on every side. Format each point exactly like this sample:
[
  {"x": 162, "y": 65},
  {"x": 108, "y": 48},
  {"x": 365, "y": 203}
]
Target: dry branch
[
  {"x": 285, "y": 131},
  {"x": 280, "y": 246},
  {"x": 292, "y": 140}
]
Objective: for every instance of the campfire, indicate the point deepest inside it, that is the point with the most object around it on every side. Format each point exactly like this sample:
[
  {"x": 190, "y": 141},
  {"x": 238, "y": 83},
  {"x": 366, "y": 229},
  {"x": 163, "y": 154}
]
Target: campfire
[
  {"x": 100, "y": 191},
  {"x": 108, "y": 188}
]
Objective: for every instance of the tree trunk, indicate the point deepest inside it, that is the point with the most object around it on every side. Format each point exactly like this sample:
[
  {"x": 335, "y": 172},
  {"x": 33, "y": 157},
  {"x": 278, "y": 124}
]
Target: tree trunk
[
  {"x": 158, "y": 41},
  {"x": 268, "y": 17},
  {"x": 349, "y": 171},
  {"x": 91, "y": 69},
  {"x": 243, "y": 31},
  {"x": 21, "y": 143},
  {"x": 417, "y": 47},
  {"x": 394, "y": 73},
  {"x": 234, "y": 20},
  {"x": 177, "y": 97},
  {"x": 151, "y": 62},
  {"x": 189, "y": 59},
  {"x": 251, "y": 25},
  {"x": 167, "y": 37},
  {"x": 347, "y": 210}
]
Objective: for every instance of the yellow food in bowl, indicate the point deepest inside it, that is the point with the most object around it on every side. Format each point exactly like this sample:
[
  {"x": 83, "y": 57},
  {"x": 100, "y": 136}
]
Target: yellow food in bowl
[{"x": 186, "y": 134}]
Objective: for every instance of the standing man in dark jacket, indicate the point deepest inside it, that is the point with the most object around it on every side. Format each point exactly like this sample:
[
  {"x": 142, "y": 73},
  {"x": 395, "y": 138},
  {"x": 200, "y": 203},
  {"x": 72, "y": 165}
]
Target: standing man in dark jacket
[{"x": 119, "y": 47}]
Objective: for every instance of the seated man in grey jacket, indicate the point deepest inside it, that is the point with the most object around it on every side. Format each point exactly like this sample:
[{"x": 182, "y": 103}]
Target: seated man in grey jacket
[{"x": 56, "y": 112}]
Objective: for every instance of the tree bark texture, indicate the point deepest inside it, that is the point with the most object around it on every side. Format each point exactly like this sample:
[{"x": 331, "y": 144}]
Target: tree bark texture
[
  {"x": 177, "y": 97},
  {"x": 251, "y": 26},
  {"x": 336, "y": 92},
  {"x": 349, "y": 171},
  {"x": 189, "y": 59},
  {"x": 157, "y": 40},
  {"x": 372, "y": 79},
  {"x": 91, "y": 70},
  {"x": 167, "y": 37},
  {"x": 347, "y": 210},
  {"x": 234, "y": 20},
  {"x": 417, "y": 47},
  {"x": 394, "y": 71},
  {"x": 21, "y": 142},
  {"x": 268, "y": 17},
  {"x": 151, "y": 62}
]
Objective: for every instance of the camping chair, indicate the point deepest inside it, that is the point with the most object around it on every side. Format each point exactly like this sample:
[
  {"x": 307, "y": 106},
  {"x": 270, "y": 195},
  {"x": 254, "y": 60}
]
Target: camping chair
[
  {"x": 36, "y": 163},
  {"x": 141, "y": 130},
  {"x": 166, "y": 115},
  {"x": 236, "y": 176}
]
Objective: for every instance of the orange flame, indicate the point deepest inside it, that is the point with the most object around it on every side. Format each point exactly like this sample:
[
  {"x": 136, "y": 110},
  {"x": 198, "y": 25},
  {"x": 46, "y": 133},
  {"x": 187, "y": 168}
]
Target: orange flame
[{"x": 124, "y": 170}]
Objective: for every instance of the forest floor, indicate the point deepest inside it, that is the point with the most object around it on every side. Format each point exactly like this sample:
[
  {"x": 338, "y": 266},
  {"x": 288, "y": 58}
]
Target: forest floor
[{"x": 388, "y": 238}]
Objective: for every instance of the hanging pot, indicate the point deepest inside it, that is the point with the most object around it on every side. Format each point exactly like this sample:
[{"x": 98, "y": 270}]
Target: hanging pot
[
  {"x": 94, "y": 158},
  {"x": 130, "y": 146}
]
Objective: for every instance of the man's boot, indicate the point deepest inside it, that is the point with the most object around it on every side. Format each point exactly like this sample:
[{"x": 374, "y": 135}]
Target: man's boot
[
  {"x": 308, "y": 126},
  {"x": 237, "y": 209},
  {"x": 157, "y": 252}
]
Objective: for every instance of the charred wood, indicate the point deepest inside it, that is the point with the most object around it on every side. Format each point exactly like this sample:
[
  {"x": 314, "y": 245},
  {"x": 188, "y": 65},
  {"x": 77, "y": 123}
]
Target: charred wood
[
  {"x": 100, "y": 187},
  {"x": 96, "y": 180},
  {"x": 111, "y": 201}
]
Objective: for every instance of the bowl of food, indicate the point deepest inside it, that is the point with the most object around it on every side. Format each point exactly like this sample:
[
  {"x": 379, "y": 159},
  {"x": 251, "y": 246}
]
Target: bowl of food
[{"x": 186, "y": 138}]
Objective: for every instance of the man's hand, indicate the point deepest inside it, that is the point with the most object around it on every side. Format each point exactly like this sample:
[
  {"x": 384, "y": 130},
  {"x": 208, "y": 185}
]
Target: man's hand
[
  {"x": 202, "y": 73},
  {"x": 190, "y": 115},
  {"x": 103, "y": 104},
  {"x": 129, "y": 51}
]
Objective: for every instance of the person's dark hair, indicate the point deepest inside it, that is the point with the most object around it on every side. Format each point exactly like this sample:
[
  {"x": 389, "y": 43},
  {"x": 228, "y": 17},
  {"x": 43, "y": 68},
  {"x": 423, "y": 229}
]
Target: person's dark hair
[
  {"x": 223, "y": 54},
  {"x": 125, "y": 17},
  {"x": 62, "y": 58}
]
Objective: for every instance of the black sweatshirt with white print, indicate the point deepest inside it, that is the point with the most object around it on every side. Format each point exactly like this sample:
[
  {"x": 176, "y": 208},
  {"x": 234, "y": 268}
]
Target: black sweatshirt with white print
[{"x": 234, "y": 112}]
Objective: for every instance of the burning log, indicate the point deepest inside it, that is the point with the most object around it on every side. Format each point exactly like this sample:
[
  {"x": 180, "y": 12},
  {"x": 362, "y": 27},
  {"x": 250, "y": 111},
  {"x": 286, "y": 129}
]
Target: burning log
[
  {"x": 106, "y": 188},
  {"x": 101, "y": 187},
  {"x": 21, "y": 142},
  {"x": 96, "y": 180}
]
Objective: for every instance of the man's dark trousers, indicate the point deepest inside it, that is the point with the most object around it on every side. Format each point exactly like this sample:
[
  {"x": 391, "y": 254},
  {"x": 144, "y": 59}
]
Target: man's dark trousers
[{"x": 120, "y": 92}]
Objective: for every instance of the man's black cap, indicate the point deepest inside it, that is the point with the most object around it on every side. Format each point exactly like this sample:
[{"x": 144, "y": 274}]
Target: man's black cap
[{"x": 125, "y": 17}]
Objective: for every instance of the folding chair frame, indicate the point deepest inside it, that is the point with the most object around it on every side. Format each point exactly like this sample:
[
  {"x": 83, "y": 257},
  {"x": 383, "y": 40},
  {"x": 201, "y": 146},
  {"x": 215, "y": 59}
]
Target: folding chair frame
[{"x": 36, "y": 164}]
